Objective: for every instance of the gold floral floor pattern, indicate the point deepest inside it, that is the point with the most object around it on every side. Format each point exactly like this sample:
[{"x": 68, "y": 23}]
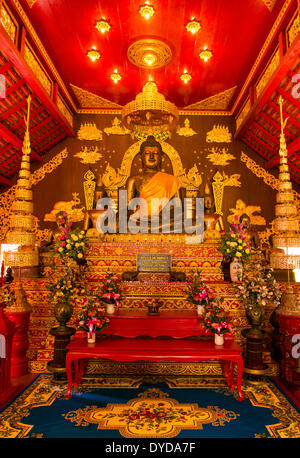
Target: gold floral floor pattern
[{"x": 133, "y": 407}]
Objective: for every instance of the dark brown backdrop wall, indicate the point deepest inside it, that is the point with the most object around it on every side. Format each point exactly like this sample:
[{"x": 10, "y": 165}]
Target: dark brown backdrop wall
[{"x": 69, "y": 176}]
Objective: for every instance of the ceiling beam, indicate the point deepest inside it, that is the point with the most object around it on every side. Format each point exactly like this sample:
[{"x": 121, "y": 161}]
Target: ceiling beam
[
  {"x": 287, "y": 96},
  {"x": 12, "y": 53},
  {"x": 5, "y": 181},
  {"x": 11, "y": 138},
  {"x": 288, "y": 61}
]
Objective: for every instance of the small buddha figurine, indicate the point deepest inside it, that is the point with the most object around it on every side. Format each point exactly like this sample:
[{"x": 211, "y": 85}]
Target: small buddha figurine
[
  {"x": 213, "y": 223},
  {"x": 251, "y": 234}
]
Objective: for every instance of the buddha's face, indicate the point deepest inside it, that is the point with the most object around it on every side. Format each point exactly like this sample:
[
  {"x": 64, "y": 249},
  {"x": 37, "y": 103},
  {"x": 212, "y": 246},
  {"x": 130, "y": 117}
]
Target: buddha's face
[
  {"x": 151, "y": 157},
  {"x": 208, "y": 203}
]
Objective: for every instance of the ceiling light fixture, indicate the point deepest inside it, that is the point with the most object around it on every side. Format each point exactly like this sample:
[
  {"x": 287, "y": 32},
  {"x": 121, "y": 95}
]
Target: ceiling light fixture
[
  {"x": 206, "y": 54},
  {"x": 146, "y": 10},
  {"x": 103, "y": 26},
  {"x": 149, "y": 59},
  {"x": 115, "y": 76},
  {"x": 185, "y": 77},
  {"x": 93, "y": 54},
  {"x": 193, "y": 26}
]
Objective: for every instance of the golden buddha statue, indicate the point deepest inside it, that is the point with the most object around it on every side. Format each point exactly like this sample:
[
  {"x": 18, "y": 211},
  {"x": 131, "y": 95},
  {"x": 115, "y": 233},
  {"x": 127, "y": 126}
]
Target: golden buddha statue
[
  {"x": 155, "y": 187},
  {"x": 213, "y": 223}
]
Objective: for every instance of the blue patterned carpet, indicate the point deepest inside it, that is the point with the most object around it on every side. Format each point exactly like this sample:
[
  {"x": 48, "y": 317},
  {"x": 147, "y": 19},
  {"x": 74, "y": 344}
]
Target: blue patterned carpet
[{"x": 120, "y": 407}]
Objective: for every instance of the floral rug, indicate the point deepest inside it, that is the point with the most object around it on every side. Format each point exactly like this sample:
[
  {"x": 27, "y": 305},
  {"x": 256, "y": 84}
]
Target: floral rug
[{"x": 182, "y": 407}]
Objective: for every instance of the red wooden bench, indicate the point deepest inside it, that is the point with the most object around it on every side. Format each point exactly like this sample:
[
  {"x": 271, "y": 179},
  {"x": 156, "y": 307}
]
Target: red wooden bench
[{"x": 135, "y": 336}]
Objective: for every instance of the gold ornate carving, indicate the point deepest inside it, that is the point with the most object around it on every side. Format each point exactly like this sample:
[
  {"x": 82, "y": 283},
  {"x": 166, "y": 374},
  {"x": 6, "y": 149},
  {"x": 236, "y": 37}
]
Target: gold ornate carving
[
  {"x": 220, "y": 156},
  {"x": 89, "y": 186},
  {"x": 186, "y": 131},
  {"x": 219, "y": 134},
  {"x": 76, "y": 214},
  {"x": 89, "y": 155},
  {"x": 243, "y": 113},
  {"x": 220, "y": 181},
  {"x": 140, "y": 52},
  {"x": 191, "y": 178},
  {"x": 269, "y": 4},
  {"x": 89, "y": 131},
  {"x": 37, "y": 68},
  {"x": 112, "y": 178},
  {"x": 216, "y": 102},
  {"x": 294, "y": 29},
  {"x": 241, "y": 208},
  {"x": 116, "y": 128},
  {"x": 8, "y": 22},
  {"x": 271, "y": 67},
  {"x": 87, "y": 99},
  {"x": 64, "y": 110}
]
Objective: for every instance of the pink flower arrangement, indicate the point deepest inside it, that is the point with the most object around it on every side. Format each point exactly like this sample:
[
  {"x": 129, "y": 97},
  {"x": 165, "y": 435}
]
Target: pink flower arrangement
[
  {"x": 216, "y": 318},
  {"x": 92, "y": 317},
  {"x": 110, "y": 292},
  {"x": 198, "y": 292}
]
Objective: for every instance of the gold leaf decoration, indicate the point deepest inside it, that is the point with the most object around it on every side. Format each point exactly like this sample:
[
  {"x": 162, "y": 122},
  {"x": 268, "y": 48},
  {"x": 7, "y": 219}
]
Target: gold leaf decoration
[
  {"x": 220, "y": 181},
  {"x": 220, "y": 156},
  {"x": 76, "y": 214},
  {"x": 89, "y": 189},
  {"x": 186, "y": 131},
  {"x": 219, "y": 134},
  {"x": 89, "y": 131},
  {"x": 116, "y": 128},
  {"x": 89, "y": 155}
]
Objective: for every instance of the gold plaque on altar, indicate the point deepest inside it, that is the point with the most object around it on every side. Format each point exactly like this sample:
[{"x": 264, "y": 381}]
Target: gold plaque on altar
[{"x": 153, "y": 262}]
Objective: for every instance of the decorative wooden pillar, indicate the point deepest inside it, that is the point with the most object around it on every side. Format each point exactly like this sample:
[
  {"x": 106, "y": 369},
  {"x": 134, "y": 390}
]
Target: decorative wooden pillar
[
  {"x": 7, "y": 329},
  {"x": 19, "y": 314}
]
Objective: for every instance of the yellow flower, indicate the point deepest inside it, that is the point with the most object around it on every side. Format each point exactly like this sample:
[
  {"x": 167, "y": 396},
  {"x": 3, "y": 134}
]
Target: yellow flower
[
  {"x": 82, "y": 232},
  {"x": 80, "y": 255},
  {"x": 77, "y": 245},
  {"x": 238, "y": 254},
  {"x": 68, "y": 247},
  {"x": 80, "y": 236},
  {"x": 60, "y": 249},
  {"x": 228, "y": 251},
  {"x": 247, "y": 250}
]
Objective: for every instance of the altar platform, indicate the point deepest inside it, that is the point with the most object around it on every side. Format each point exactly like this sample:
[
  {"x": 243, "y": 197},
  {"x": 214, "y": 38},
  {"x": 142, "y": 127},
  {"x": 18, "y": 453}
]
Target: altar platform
[{"x": 120, "y": 257}]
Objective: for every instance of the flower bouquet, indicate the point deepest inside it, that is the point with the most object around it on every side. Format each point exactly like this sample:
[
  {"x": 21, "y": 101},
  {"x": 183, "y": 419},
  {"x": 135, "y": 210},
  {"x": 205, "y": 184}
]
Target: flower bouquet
[
  {"x": 216, "y": 318},
  {"x": 235, "y": 244},
  {"x": 69, "y": 243},
  {"x": 110, "y": 292},
  {"x": 92, "y": 318},
  {"x": 198, "y": 293}
]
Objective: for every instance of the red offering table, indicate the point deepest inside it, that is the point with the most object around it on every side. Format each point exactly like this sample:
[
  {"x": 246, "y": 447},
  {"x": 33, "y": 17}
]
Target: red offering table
[{"x": 136, "y": 336}]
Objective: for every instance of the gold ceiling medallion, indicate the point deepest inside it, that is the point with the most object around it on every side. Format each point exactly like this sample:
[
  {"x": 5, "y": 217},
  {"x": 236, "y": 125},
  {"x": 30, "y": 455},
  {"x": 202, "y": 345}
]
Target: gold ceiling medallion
[
  {"x": 149, "y": 53},
  {"x": 150, "y": 113},
  {"x": 146, "y": 10},
  {"x": 185, "y": 77},
  {"x": 193, "y": 26},
  {"x": 219, "y": 134},
  {"x": 206, "y": 54},
  {"x": 93, "y": 54},
  {"x": 102, "y": 26}
]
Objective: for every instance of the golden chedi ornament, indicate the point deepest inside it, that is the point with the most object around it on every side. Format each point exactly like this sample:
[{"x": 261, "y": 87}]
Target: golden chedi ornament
[
  {"x": 286, "y": 223},
  {"x": 22, "y": 224}
]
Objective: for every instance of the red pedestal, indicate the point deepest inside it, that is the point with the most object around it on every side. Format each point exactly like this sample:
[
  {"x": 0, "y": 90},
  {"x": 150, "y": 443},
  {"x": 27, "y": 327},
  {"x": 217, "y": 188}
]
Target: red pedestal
[
  {"x": 7, "y": 330},
  {"x": 289, "y": 326},
  {"x": 20, "y": 343}
]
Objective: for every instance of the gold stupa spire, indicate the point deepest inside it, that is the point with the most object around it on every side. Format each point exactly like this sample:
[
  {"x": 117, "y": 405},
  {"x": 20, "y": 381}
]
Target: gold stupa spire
[
  {"x": 286, "y": 223},
  {"x": 21, "y": 230}
]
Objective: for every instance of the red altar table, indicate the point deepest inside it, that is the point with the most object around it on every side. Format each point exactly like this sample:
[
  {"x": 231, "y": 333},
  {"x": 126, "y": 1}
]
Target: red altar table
[{"x": 170, "y": 336}]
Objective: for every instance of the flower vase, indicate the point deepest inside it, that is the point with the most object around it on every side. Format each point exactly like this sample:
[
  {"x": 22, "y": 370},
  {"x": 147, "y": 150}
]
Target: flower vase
[
  {"x": 219, "y": 339},
  {"x": 91, "y": 338},
  {"x": 200, "y": 309},
  {"x": 236, "y": 270},
  {"x": 110, "y": 309}
]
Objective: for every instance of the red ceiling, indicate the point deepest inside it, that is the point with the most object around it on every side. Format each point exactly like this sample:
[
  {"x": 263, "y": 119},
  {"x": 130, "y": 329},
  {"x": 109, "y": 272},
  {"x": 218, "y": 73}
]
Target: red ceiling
[{"x": 234, "y": 29}]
